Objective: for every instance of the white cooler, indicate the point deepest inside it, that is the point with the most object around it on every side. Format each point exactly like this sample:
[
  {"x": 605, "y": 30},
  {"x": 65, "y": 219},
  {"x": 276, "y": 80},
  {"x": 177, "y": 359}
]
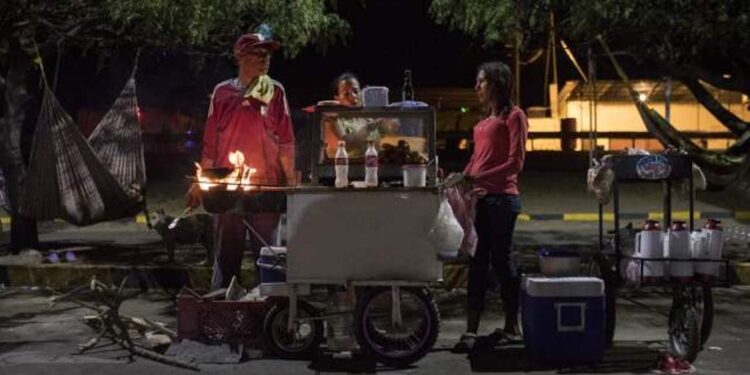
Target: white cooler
[{"x": 563, "y": 319}]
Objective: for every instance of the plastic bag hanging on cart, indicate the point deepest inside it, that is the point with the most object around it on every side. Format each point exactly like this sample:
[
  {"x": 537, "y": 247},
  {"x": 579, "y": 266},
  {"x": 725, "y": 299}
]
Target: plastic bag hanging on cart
[{"x": 446, "y": 233}]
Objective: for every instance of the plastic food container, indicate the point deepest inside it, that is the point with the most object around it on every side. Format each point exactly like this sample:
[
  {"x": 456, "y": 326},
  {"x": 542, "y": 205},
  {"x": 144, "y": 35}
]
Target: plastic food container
[
  {"x": 557, "y": 262},
  {"x": 415, "y": 175},
  {"x": 375, "y": 96}
]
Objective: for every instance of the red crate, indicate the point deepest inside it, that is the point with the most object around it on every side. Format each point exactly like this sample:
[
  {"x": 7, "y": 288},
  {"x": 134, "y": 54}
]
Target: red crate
[{"x": 226, "y": 322}]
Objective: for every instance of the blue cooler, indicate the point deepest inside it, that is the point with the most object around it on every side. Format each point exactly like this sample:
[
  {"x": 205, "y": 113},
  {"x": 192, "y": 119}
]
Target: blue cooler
[
  {"x": 563, "y": 319},
  {"x": 272, "y": 264}
]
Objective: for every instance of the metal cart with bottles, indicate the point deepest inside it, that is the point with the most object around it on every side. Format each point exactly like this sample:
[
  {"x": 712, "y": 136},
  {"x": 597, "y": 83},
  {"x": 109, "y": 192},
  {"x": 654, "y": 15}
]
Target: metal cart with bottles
[
  {"x": 692, "y": 311},
  {"x": 356, "y": 262}
]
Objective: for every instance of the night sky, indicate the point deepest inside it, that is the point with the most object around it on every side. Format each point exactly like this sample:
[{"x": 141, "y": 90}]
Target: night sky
[{"x": 387, "y": 37}]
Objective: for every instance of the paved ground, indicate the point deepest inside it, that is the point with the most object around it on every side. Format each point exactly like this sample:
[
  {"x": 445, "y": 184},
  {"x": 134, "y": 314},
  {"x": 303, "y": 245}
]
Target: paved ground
[{"x": 37, "y": 339}]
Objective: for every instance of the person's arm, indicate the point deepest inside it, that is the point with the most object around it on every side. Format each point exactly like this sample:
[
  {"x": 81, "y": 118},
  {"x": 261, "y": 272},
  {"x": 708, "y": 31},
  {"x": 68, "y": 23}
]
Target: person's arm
[
  {"x": 517, "y": 130},
  {"x": 210, "y": 134},
  {"x": 285, "y": 136}
]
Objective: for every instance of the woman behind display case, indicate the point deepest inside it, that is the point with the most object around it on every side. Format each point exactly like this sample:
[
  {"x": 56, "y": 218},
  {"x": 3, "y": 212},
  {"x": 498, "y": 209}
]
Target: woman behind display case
[
  {"x": 356, "y": 132},
  {"x": 497, "y": 160}
]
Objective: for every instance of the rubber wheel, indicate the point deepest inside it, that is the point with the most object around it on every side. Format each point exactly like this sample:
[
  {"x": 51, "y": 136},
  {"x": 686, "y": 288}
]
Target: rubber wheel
[
  {"x": 705, "y": 303},
  {"x": 396, "y": 347},
  {"x": 684, "y": 332},
  {"x": 601, "y": 267},
  {"x": 308, "y": 336}
]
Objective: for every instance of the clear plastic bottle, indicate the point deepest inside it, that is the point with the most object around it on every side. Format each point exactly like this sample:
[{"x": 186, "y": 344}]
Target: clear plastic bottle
[
  {"x": 342, "y": 166},
  {"x": 371, "y": 165}
]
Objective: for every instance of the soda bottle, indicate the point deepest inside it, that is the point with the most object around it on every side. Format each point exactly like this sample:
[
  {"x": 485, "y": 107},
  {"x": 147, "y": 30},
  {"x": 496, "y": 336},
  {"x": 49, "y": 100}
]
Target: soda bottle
[
  {"x": 342, "y": 166},
  {"x": 371, "y": 165},
  {"x": 407, "y": 93}
]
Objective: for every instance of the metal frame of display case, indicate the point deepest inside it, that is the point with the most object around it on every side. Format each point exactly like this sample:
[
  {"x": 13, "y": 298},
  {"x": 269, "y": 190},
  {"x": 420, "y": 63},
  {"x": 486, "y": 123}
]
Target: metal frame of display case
[{"x": 322, "y": 169}]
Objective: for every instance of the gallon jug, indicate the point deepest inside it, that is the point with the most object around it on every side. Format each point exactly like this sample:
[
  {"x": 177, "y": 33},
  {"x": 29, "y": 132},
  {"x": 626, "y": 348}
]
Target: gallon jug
[{"x": 648, "y": 244}]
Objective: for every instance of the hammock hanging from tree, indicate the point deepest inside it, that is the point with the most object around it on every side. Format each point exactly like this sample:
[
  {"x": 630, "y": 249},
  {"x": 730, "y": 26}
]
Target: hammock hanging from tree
[
  {"x": 86, "y": 182},
  {"x": 720, "y": 169}
]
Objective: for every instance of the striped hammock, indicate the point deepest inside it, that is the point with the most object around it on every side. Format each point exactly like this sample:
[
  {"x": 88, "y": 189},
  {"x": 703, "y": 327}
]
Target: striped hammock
[{"x": 86, "y": 181}]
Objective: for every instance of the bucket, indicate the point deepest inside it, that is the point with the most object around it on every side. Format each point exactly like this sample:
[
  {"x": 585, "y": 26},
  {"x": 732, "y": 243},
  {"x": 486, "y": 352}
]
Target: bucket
[
  {"x": 272, "y": 264},
  {"x": 415, "y": 175},
  {"x": 375, "y": 96},
  {"x": 677, "y": 246},
  {"x": 648, "y": 244}
]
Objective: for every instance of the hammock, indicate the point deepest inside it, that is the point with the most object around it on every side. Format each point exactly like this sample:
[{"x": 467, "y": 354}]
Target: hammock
[
  {"x": 720, "y": 169},
  {"x": 86, "y": 182}
]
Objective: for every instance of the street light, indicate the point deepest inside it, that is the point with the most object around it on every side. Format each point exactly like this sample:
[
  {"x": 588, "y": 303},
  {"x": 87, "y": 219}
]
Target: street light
[{"x": 642, "y": 97}]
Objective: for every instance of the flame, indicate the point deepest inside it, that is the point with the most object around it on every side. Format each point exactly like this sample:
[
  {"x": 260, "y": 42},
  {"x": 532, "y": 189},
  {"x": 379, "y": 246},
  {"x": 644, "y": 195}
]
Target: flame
[{"x": 240, "y": 177}]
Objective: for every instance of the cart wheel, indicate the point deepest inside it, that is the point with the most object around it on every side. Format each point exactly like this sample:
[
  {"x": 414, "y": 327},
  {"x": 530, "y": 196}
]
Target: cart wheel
[
  {"x": 300, "y": 344},
  {"x": 396, "y": 346},
  {"x": 684, "y": 331},
  {"x": 703, "y": 300},
  {"x": 602, "y": 267}
]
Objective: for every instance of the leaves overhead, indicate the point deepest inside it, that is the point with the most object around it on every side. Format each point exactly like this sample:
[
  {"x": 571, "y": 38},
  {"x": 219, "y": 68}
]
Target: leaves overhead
[{"x": 208, "y": 26}]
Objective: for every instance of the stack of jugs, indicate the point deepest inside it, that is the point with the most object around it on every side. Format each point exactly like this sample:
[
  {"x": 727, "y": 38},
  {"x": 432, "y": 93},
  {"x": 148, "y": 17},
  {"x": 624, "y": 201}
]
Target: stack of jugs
[
  {"x": 708, "y": 244},
  {"x": 648, "y": 244},
  {"x": 677, "y": 246}
]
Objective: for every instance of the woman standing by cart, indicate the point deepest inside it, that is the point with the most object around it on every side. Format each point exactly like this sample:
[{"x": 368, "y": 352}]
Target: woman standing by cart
[{"x": 497, "y": 160}]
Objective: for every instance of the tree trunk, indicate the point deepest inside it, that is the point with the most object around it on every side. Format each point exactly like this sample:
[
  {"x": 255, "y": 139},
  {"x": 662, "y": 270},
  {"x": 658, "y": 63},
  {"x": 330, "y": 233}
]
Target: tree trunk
[{"x": 17, "y": 101}]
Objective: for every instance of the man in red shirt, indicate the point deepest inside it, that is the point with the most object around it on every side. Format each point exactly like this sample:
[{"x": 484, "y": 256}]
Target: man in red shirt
[{"x": 248, "y": 114}]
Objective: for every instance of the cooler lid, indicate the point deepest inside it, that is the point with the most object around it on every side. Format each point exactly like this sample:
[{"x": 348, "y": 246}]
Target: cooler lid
[{"x": 563, "y": 286}]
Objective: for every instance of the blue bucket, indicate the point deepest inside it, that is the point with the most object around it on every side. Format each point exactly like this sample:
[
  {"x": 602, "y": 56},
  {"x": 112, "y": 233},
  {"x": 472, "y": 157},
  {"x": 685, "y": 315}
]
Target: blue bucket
[{"x": 272, "y": 264}]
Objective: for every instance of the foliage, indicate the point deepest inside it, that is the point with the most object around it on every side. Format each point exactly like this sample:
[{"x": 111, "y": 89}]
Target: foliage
[{"x": 196, "y": 25}]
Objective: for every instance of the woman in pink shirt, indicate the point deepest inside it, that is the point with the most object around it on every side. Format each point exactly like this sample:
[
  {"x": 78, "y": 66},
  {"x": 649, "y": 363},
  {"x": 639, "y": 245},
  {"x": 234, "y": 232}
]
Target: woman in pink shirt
[{"x": 499, "y": 141}]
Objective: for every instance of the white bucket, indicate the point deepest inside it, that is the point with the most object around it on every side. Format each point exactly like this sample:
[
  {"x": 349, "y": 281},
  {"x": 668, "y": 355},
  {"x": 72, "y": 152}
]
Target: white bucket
[
  {"x": 375, "y": 96},
  {"x": 415, "y": 175}
]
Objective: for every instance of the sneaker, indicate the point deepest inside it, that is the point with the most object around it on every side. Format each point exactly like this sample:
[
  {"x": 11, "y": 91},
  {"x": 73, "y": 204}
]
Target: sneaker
[
  {"x": 502, "y": 335},
  {"x": 465, "y": 344}
]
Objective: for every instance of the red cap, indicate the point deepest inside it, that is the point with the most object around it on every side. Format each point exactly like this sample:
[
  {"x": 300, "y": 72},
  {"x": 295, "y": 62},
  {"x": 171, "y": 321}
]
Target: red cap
[{"x": 249, "y": 42}]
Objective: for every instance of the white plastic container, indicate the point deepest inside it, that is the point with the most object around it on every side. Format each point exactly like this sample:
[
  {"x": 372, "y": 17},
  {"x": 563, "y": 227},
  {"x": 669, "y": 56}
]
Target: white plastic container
[
  {"x": 648, "y": 244},
  {"x": 342, "y": 166},
  {"x": 707, "y": 244},
  {"x": 375, "y": 96},
  {"x": 677, "y": 246},
  {"x": 415, "y": 175}
]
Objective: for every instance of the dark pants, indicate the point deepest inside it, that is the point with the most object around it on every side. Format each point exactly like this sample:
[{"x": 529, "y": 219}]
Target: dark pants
[
  {"x": 229, "y": 243},
  {"x": 495, "y": 221}
]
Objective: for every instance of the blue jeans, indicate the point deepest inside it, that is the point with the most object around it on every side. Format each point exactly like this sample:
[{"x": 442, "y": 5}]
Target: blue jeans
[{"x": 495, "y": 222}]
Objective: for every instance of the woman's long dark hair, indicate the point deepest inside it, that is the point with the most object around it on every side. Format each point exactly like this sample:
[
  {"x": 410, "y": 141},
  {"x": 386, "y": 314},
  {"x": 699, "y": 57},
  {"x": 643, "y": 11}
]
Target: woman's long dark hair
[{"x": 500, "y": 79}]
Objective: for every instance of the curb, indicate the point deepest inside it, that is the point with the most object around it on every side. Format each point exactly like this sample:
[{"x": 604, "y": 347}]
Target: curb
[
  {"x": 575, "y": 216},
  {"x": 69, "y": 275}
]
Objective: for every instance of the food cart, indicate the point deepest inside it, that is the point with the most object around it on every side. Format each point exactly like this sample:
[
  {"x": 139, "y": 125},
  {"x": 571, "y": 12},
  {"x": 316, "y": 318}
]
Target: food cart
[
  {"x": 691, "y": 313},
  {"x": 357, "y": 260}
]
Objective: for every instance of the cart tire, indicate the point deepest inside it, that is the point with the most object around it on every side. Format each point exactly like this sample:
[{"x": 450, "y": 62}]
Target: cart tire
[
  {"x": 396, "y": 349},
  {"x": 684, "y": 332},
  {"x": 603, "y": 268},
  {"x": 284, "y": 345},
  {"x": 707, "y": 314}
]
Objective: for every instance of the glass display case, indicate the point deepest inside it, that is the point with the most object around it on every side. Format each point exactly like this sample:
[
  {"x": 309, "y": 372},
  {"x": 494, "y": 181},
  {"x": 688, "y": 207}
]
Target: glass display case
[{"x": 402, "y": 136}]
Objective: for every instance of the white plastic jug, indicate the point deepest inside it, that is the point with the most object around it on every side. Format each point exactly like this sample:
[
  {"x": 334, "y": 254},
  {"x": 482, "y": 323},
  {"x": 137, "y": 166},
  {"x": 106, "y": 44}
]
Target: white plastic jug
[
  {"x": 677, "y": 246},
  {"x": 710, "y": 247},
  {"x": 648, "y": 244}
]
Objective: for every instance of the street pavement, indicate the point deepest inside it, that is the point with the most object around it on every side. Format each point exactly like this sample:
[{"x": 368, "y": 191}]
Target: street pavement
[{"x": 38, "y": 339}]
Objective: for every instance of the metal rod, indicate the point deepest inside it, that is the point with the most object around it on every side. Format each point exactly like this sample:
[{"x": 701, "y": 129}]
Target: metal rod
[
  {"x": 601, "y": 228},
  {"x": 691, "y": 201},
  {"x": 396, "y": 318},
  {"x": 616, "y": 208}
]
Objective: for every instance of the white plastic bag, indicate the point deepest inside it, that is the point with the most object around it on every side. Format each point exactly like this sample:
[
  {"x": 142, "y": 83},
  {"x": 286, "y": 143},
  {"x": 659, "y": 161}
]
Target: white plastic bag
[{"x": 446, "y": 233}]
